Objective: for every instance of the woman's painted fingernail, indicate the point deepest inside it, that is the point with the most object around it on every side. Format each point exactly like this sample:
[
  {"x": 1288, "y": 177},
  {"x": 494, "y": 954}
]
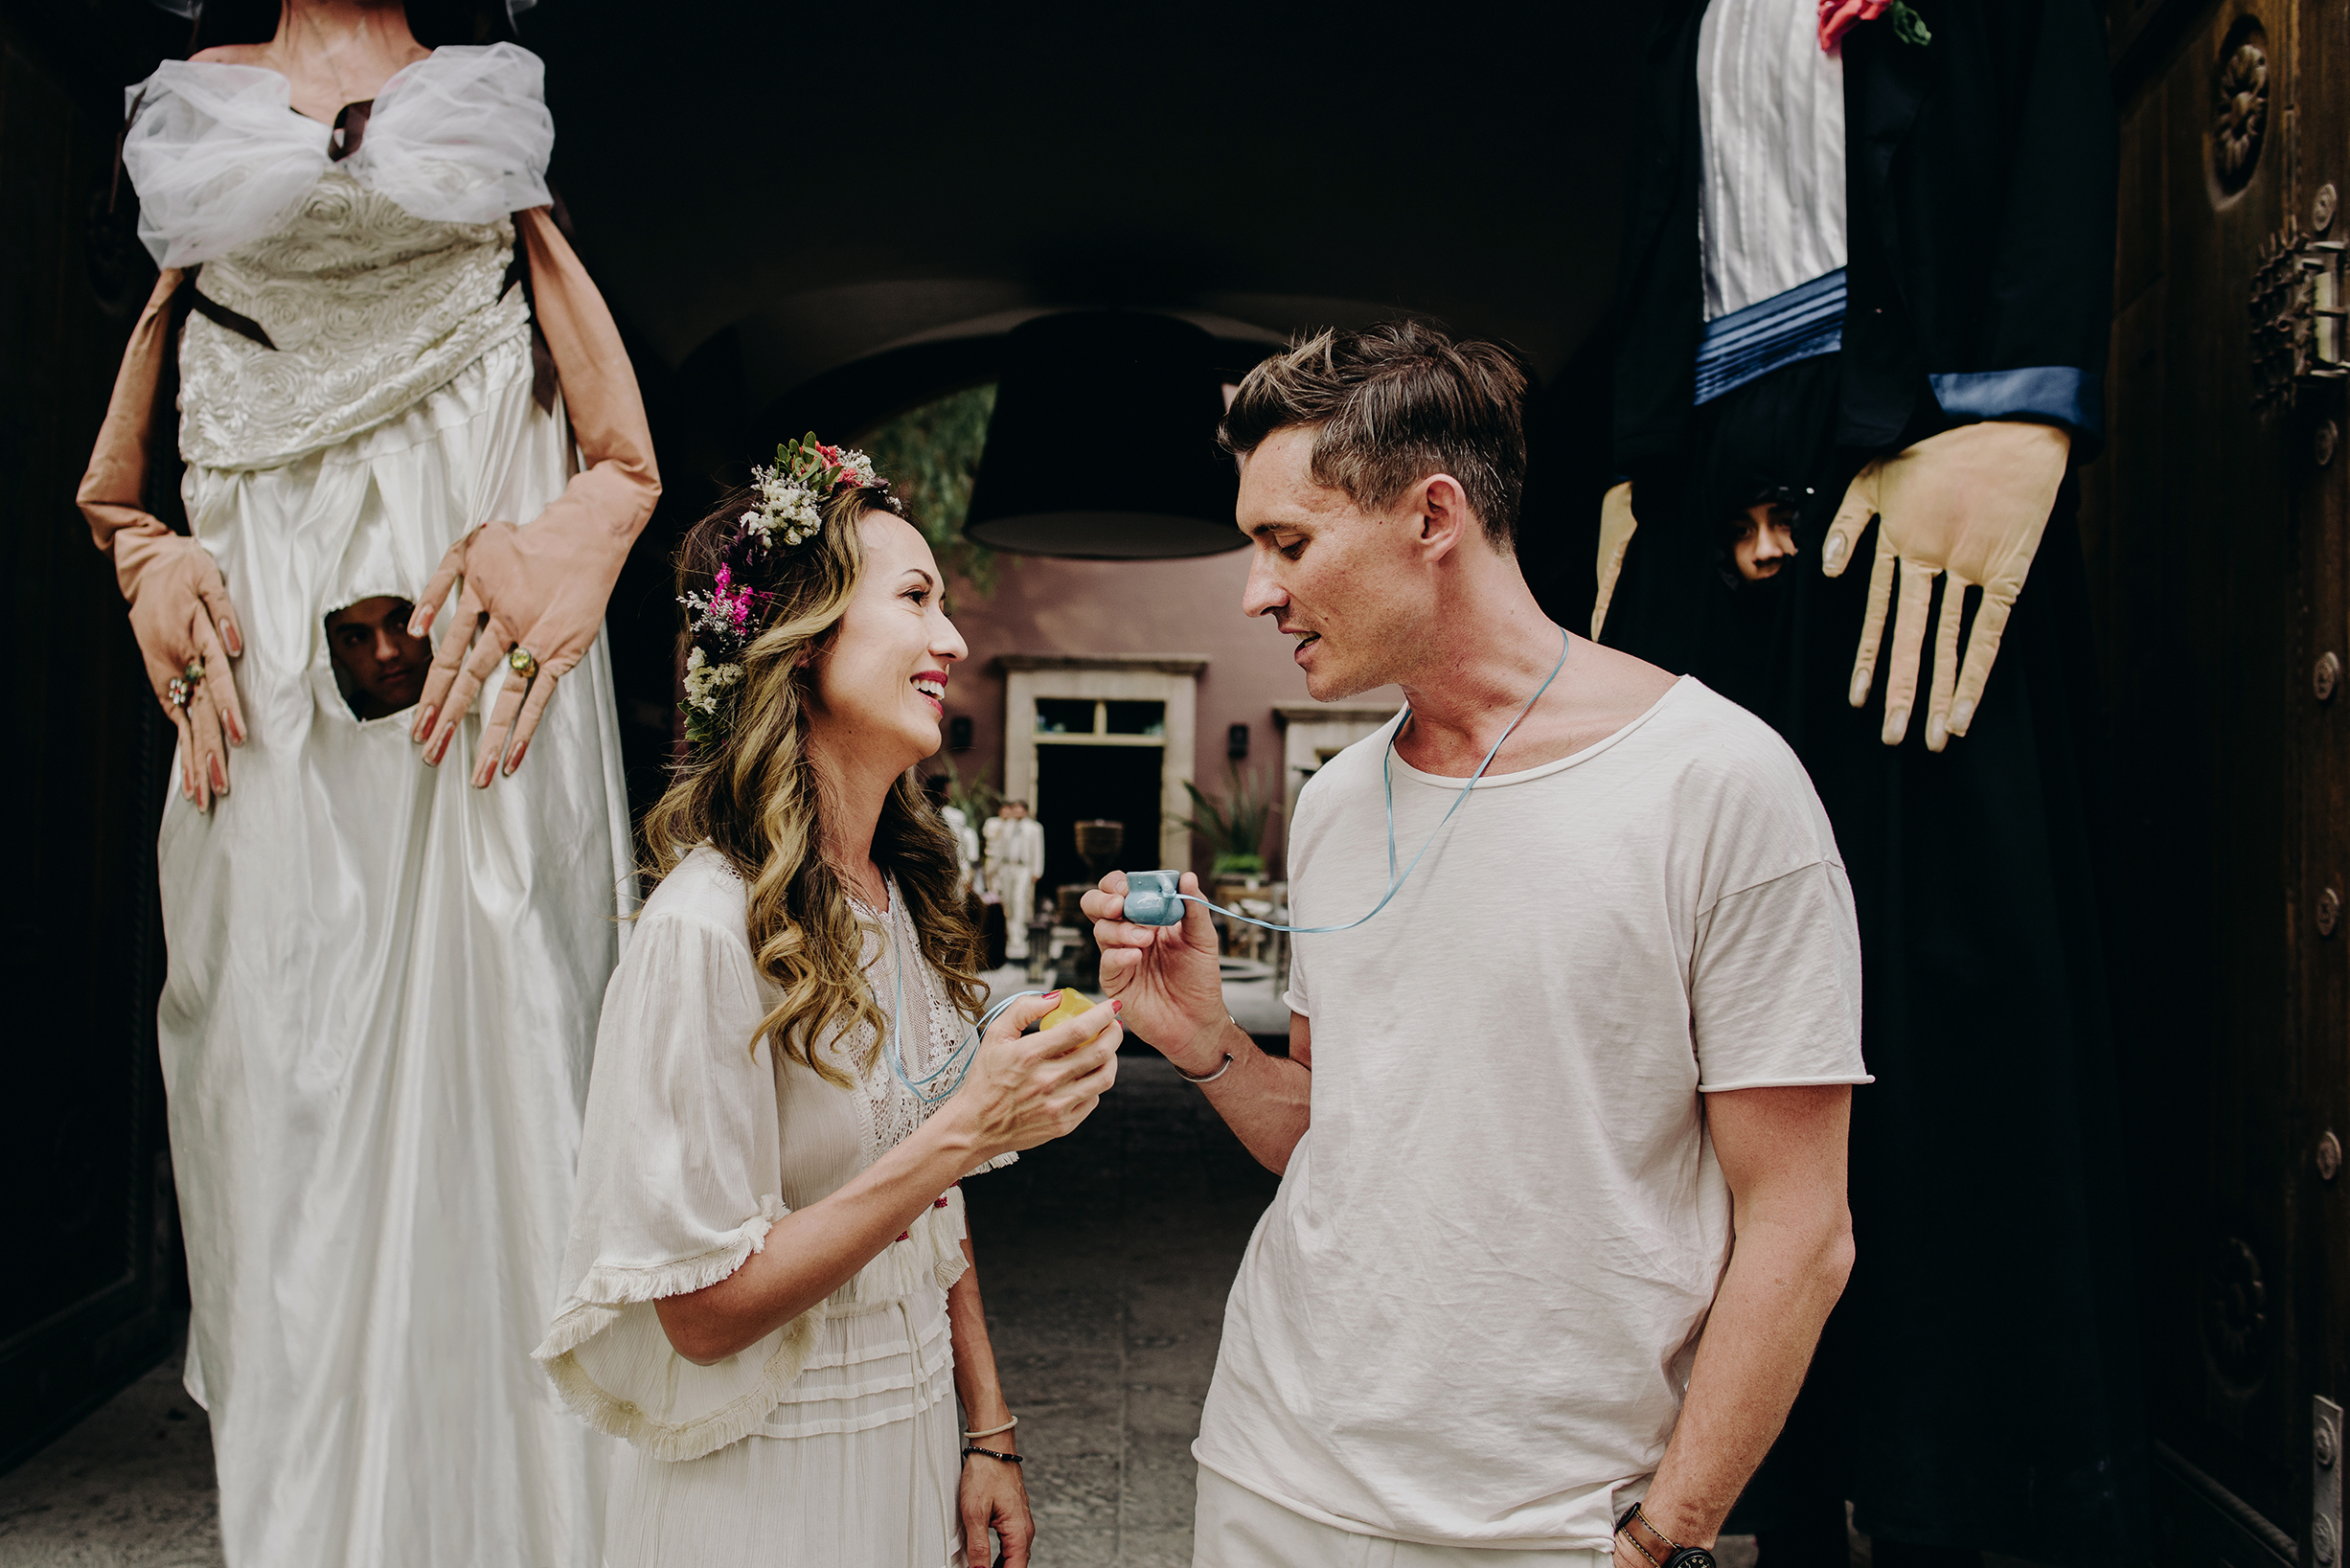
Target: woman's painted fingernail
[
  {"x": 516, "y": 761},
  {"x": 1117, "y": 1007},
  {"x": 1050, "y": 996}
]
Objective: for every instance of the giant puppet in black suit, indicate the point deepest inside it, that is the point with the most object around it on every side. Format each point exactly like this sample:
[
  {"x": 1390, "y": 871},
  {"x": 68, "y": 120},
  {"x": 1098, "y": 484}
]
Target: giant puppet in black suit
[{"x": 1866, "y": 288}]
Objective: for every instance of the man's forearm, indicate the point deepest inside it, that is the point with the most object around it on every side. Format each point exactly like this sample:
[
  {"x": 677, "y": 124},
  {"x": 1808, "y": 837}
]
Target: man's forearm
[
  {"x": 1265, "y": 1098},
  {"x": 1776, "y": 1294}
]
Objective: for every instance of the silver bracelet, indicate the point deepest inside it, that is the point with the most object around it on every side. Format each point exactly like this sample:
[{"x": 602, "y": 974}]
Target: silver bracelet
[{"x": 1220, "y": 1071}]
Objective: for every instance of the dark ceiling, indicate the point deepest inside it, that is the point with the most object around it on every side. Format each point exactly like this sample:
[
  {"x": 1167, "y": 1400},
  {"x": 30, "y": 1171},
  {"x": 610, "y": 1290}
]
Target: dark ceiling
[
  {"x": 814, "y": 219},
  {"x": 833, "y": 184}
]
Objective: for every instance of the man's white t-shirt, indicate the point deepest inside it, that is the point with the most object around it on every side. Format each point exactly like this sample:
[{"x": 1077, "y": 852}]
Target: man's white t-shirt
[{"x": 1470, "y": 1314}]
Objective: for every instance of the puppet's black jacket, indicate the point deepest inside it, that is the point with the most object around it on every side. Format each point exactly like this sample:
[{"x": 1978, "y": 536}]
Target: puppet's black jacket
[{"x": 1979, "y": 197}]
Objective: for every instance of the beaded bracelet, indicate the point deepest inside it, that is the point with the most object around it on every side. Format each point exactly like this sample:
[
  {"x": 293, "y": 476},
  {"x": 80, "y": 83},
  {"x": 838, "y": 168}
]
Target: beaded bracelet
[{"x": 1009, "y": 1458}]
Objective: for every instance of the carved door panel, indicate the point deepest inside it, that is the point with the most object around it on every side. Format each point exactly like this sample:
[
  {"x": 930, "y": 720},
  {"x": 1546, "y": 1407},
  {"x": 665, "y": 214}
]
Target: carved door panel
[
  {"x": 2214, "y": 534},
  {"x": 89, "y": 1223}
]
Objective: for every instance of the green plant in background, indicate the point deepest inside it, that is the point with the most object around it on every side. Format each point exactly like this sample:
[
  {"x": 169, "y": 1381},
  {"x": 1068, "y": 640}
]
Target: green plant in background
[
  {"x": 976, "y": 798},
  {"x": 931, "y": 455},
  {"x": 1233, "y": 825}
]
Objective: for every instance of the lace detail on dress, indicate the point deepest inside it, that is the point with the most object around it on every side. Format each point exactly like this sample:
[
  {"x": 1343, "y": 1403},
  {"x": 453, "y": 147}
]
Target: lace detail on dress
[
  {"x": 931, "y": 1031},
  {"x": 372, "y": 309}
]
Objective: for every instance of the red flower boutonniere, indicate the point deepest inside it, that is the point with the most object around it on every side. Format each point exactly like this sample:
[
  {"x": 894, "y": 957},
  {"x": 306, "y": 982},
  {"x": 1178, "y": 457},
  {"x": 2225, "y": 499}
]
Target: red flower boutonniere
[{"x": 1836, "y": 18}]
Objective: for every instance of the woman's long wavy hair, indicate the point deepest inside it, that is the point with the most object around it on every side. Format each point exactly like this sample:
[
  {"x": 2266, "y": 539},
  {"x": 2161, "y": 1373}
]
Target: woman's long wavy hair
[{"x": 754, "y": 796}]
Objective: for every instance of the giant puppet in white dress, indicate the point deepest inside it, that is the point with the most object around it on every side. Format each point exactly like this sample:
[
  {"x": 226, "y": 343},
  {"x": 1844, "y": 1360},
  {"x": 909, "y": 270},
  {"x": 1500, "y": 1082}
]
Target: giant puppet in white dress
[{"x": 385, "y": 978}]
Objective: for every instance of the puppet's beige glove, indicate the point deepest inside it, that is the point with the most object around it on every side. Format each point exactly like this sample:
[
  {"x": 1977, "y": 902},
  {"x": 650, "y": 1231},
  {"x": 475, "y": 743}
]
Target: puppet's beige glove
[
  {"x": 542, "y": 589},
  {"x": 1616, "y": 525},
  {"x": 1970, "y": 502},
  {"x": 187, "y": 632},
  {"x": 179, "y": 608}
]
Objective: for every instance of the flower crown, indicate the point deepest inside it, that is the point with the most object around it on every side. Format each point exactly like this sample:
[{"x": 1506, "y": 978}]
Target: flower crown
[{"x": 790, "y": 511}]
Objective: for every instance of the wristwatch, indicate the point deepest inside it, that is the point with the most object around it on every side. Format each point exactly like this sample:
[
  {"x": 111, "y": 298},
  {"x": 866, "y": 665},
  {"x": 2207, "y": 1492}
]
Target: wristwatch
[{"x": 1676, "y": 1556}]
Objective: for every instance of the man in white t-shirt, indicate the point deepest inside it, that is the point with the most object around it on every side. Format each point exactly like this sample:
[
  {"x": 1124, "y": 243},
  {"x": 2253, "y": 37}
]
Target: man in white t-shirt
[{"x": 1605, "y": 1029}]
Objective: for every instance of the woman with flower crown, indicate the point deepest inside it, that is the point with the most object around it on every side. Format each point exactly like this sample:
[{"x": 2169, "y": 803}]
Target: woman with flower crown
[
  {"x": 769, "y": 1286},
  {"x": 383, "y": 977}
]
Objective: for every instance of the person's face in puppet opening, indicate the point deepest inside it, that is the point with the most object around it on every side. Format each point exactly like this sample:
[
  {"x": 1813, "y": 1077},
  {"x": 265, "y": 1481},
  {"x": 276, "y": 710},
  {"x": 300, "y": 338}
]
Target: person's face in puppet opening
[
  {"x": 1762, "y": 540},
  {"x": 370, "y": 643}
]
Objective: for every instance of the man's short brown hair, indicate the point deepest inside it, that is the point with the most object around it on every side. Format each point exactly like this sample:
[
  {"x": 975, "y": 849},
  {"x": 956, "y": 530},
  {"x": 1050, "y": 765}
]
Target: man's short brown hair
[{"x": 1390, "y": 405}]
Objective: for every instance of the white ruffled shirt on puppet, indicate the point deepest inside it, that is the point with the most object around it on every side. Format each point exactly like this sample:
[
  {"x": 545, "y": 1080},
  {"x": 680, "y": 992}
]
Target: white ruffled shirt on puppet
[{"x": 835, "y": 1438}]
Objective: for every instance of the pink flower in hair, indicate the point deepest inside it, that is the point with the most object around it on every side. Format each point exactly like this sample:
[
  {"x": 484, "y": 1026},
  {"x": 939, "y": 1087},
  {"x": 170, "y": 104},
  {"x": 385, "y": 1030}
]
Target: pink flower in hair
[{"x": 736, "y": 605}]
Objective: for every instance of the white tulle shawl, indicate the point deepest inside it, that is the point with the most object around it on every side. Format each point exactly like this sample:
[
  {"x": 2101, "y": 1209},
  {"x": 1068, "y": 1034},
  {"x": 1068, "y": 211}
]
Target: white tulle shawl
[{"x": 220, "y": 159}]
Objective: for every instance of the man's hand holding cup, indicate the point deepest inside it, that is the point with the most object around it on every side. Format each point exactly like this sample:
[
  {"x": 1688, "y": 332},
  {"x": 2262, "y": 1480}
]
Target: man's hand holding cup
[{"x": 1166, "y": 976}]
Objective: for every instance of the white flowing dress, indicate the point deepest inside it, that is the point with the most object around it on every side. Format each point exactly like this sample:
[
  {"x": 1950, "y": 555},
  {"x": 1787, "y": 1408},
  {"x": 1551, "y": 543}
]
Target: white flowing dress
[
  {"x": 833, "y": 1442},
  {"x": 377, "y": 1026}
]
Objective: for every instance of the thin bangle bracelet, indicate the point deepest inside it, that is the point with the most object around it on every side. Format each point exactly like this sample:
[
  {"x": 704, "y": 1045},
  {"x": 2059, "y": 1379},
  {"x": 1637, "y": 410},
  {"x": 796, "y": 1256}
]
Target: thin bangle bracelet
[
  {"x": 1220, "y": 1071},
  {"x": 992, "y": 1430}
]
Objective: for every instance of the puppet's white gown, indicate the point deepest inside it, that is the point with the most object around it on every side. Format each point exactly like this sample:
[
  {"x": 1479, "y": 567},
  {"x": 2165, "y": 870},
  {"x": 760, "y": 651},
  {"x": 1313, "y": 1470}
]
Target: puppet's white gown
[{"x": 383, "y": 983}]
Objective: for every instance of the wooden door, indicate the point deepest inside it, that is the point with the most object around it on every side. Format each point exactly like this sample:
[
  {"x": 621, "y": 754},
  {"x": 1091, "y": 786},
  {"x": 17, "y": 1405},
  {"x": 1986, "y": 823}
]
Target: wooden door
[
  {"x": 2214, "y": 531},
  {"x": 89, "y": 1221}
]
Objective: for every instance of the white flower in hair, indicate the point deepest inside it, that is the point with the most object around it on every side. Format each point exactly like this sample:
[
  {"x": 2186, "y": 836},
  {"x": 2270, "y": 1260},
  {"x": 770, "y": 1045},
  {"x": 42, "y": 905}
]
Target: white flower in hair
[{"x": 705, "y": 682}]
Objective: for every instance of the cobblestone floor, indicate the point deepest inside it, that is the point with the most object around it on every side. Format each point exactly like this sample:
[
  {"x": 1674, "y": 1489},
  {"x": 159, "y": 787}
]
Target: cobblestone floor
[{"x": 1105, "y": 1260}]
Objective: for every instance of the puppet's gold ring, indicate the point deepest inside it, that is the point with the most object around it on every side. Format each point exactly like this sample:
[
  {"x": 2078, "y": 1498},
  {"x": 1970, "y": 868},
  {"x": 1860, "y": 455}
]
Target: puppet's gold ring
[{"x": 523, "y": 662}]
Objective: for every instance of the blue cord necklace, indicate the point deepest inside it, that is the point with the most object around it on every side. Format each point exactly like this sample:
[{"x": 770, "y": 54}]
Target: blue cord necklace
[
  {"x": 930, "y": 1090},
  {"x": 927, "y": 1089},
  {"x": 1386, "y": 774}
]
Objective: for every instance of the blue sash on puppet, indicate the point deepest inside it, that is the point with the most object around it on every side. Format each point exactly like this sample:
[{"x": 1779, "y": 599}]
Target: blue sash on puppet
[{"x": 1745, "y": 345}]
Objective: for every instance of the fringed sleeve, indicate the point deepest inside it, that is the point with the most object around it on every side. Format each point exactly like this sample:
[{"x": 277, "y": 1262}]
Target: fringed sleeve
[{"x": 679, "y": 1165}]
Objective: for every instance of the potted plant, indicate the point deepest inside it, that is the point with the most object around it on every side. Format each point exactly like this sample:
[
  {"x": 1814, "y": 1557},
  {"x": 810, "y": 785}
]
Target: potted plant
[{"x": 1232, "y": 828}]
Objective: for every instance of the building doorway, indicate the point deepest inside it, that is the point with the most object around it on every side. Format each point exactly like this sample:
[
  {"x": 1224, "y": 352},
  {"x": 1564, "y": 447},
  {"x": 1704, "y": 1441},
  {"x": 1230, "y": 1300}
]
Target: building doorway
[
  {"x": 1083, "y": 784},
  {"x": 1140, "y": 703}
]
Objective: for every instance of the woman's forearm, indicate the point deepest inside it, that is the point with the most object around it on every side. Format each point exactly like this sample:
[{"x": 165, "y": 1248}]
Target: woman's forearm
[
  {"x": 812, "y": 1251},
  {"x": 975, "y": 1379}
]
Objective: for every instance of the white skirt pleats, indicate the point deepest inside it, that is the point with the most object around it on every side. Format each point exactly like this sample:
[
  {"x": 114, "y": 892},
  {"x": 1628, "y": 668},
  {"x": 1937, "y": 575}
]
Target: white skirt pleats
[
  {"x": 377, "y": 1025},
  {"x": 857, "y": 1468}
]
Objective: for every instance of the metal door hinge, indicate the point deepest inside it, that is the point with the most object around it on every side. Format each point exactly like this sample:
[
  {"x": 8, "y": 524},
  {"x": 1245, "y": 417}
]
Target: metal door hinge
[
  {"x": 2325, "y": 1461},
  {"x": 2296, "y": 316}
]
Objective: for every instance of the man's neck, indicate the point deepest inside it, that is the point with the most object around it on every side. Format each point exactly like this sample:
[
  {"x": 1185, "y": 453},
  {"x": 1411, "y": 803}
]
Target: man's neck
[{"x": 1487, "y": 656}]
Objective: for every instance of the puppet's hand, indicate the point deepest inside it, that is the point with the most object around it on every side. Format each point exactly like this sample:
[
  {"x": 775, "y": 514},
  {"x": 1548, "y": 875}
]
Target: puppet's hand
[
  {"x": 1970, "y": 502},
  {"x": 187, "y": 632},
  {"x": 534, "y": 598},
  {"x": 1616, "y": 525}
]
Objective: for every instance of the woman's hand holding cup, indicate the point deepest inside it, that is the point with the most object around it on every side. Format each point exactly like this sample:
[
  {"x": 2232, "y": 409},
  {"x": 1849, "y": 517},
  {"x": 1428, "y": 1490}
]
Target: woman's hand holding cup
[{"x": 1028, "y": 1089}]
